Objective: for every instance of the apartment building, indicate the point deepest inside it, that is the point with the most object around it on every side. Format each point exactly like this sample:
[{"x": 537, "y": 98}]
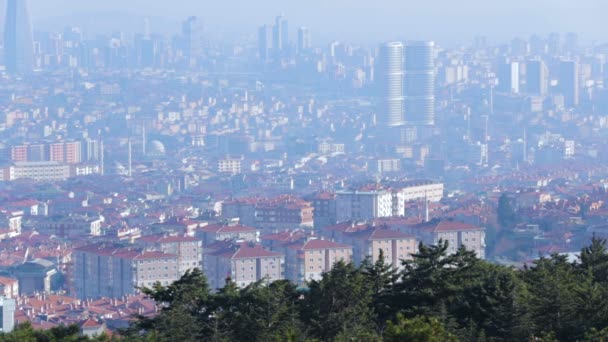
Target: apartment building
[
  {"x": 274, "y": 213},
  {"x": 309, "y": 259},
  {"x": 9, "y": 287},
  {"x": 367, "y": 241},
  {"x": 457, "y": 234},
  {"x": 220, "y": 232},
  {"x": 113, "y": 271},
  {"x": 363, "y": 204},
  {"x": 243, "y": 262},
  {"x": 189, "y": 249}
]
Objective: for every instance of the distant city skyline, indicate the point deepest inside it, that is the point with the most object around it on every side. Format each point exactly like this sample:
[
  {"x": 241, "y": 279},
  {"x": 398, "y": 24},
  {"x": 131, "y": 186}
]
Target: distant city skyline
[
  {"x": 357, "y": 21},
  {"x": 18, "y": 39}
]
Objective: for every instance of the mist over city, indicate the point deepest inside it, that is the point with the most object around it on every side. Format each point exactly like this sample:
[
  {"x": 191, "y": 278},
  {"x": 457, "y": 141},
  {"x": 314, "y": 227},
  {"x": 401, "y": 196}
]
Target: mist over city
[{"x": 303, "y": 171}]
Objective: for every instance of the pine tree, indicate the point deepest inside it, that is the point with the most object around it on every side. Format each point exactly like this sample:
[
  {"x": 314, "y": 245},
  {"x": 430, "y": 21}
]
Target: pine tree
[
  {"x": 339, "y": 305},
  {"x": 417, "y": 329},
  {"x": 381, "y": 277}
]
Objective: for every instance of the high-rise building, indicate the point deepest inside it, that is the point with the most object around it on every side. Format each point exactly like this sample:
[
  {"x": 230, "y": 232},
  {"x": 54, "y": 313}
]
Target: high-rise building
[
  {"x": 280, "y": 35},
  {"x": 508, "y": 77},
  {"x": 606, "y": 75},
  {"x": 264, "y": 41},
  {"x": 304, "y": 42},
  {"x": 571, "y": 42},
  {"x": 420, "y": 83},
  {"x": 18, "y": 39},
  {"x": 568, "y": 82},
  {"x": 191, "y": 40},
  {"x": 390, "y": 78},
  {"x": 554, "y": 44},
  {"x": 536, "y": 77}
]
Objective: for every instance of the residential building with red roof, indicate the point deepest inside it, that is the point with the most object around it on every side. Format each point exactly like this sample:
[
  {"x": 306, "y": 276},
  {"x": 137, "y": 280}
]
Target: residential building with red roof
[
  {"x": 113, "y": 271},
  {"x": 309, "y": 259},
  {"x": 457, "y": 234},
  {"x": 226, "y": 231},
  {"x": 189, "y": 249},
  {"x": 243, "y": 262},
  {"x": 367, "y": 241},
  {"x": 275, "y": 213},
  {"x": 9, "y": 287}
]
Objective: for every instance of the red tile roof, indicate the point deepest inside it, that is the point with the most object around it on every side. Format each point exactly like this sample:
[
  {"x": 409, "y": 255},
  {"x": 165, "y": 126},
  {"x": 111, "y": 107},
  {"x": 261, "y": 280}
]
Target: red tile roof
[
  {"x": 447, "y": 226},
  {"x": 225, "y": 228},
  {"x": 323, "y": 244}
]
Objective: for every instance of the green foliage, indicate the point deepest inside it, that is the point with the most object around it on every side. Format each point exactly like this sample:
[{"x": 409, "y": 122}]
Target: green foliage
[
  {"x": 381, "y": 277},
  {"x": 417, "y": 329},
  {"x": 432, "y": 297},
  {"x": 339, "y": 305},
  {"x": 25, "y": 333}
]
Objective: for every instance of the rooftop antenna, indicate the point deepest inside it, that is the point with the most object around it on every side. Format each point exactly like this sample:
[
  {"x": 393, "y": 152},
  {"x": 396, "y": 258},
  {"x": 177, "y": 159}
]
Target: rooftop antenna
[{"x": 486, "y": 138}]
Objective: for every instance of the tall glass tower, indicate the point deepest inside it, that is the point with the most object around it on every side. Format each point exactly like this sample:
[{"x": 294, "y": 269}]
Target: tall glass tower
[
  {"x": 390, "y": 79},
  {"x": 18, "y": 39},
  {"x": 420, "y": 83}
]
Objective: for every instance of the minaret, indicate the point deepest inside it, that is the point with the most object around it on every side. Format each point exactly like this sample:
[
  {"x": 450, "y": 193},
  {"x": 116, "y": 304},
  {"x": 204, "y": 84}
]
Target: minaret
[
  {"x": 101, "y": 155},
  {"x": 525, "y": 146},
  {"x": 130, "y": 159},
  {"x": 143, "y": 139},
  {"x": 426, "y": 208}
]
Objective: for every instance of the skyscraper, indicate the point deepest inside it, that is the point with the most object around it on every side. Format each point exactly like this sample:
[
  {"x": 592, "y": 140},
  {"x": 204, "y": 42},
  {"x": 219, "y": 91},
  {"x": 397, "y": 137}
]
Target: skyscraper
[
  {"x": 18, "y": 39},
  {"x": 390, "y": 78},
  {"x": 568, "y": 82},
  {"x": 508, "y": 77},
  {"x": 264, "y": 41},
  {"x": 536, "y": 77},
  {"x": 280, "y": 35},
  {"x": 304, "y": 42},
  {"x": 420, "y": 83},
  {"x": 191, "y": 36}
]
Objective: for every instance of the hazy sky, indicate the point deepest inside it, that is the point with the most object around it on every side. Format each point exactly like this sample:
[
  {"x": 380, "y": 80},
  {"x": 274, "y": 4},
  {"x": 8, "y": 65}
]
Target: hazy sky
[{"x": 443, "y": 20}]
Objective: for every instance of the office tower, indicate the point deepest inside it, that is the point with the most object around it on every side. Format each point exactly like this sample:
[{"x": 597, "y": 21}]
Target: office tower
[
  {"x": 264, "y": 39},
  {"x": 519, "y": 47},
  {"x": 536, "y": 77},
  {"x": 571, "y": 42},
  {"x": 538, "y": 46},
  {"x": 390, "y": 78},
  {"x": 554, "y": 43},
  {"x": 147, "y": 52},
  {"x": 568, "y": 82},
  {"x": 606, "y": 75},
  {"x": 7, "y": 312},
  {"x": 508, "y": 77},
  {"x": 18, "y": 39},
  {"x": 280, "y": 36},
  {"x": 304, "y": 39},
  {"x": 191, "y": 40},
  {"x": 420, "y": 83}
]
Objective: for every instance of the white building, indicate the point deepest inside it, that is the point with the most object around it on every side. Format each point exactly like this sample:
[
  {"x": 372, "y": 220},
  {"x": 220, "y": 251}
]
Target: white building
[
  {"x": 230, "y": 165},
  {"x": 7, "y": 307},
  {"x": 363, "y": 205},
  {"x": 39, "y": 171}
]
